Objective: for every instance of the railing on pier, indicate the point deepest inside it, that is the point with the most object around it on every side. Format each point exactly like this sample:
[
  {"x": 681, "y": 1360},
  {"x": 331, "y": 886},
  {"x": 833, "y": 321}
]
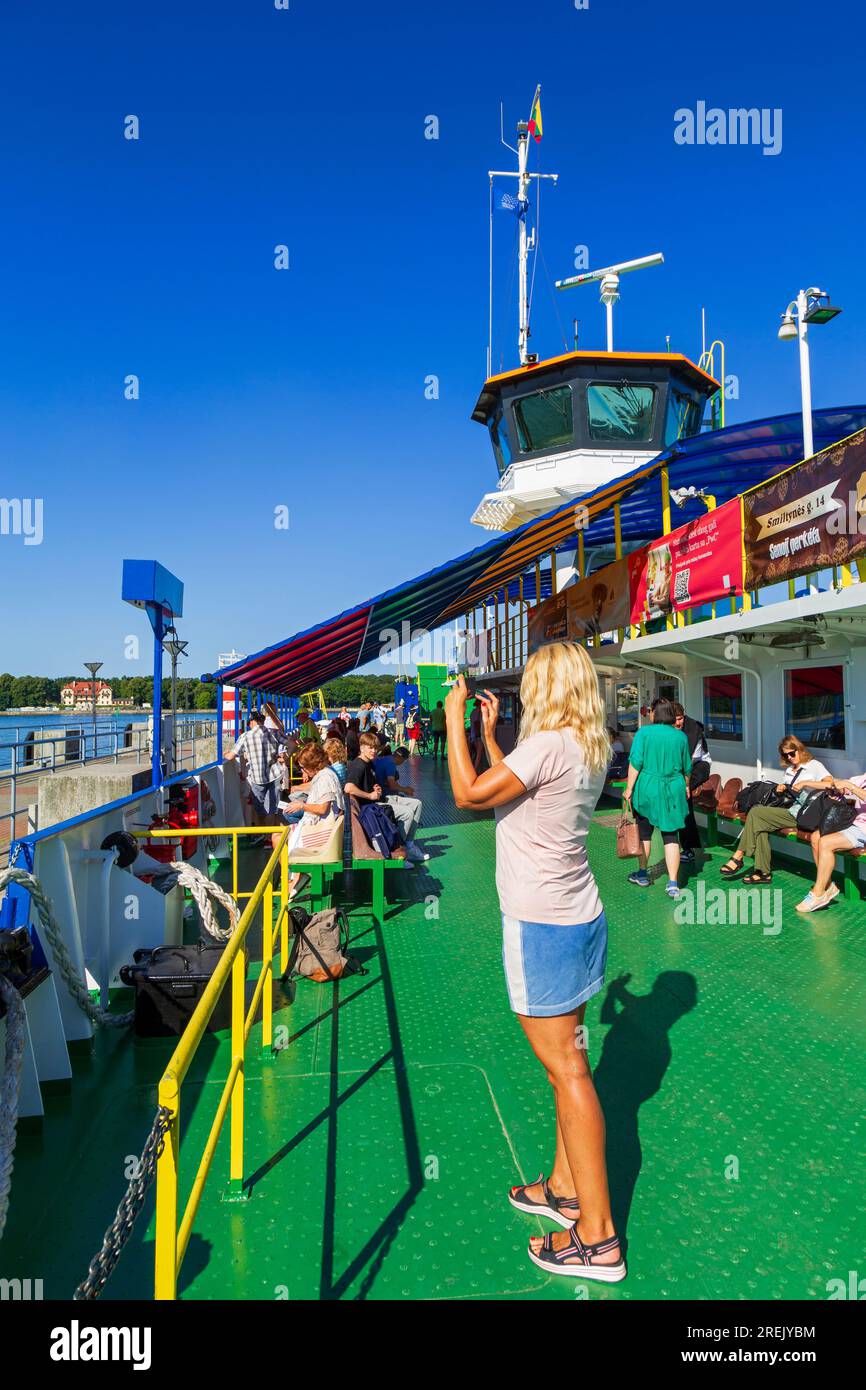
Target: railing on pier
[{"x": 32, "y": 756}]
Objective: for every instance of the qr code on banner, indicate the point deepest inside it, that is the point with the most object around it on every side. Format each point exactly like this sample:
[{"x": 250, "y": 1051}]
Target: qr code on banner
[{"x": 681, "y": 586}]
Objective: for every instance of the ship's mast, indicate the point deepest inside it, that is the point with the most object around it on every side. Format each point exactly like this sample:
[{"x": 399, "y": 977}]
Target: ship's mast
[{"x": 526, "y": 240}]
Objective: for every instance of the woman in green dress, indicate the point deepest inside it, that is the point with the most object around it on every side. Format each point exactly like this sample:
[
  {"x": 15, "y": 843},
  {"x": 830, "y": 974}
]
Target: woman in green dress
[{"x": 659, "y": 768}]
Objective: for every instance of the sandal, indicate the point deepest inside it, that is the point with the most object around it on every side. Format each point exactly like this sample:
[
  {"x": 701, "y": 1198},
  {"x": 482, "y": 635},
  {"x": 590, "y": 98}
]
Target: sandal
[
  {"x": 732, "y": 868},
  {"x": 757, "y": 877},
  {"x": 552, "y": 1207},
  {"x": 577, "y": 1260}
]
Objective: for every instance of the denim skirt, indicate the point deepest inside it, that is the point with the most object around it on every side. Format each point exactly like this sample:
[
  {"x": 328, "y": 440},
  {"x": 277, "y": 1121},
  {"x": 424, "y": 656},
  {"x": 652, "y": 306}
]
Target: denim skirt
[{"x": 550, "y": 969}]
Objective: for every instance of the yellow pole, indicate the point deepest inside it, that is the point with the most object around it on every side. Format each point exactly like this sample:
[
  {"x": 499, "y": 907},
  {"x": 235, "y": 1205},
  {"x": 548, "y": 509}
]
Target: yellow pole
[
  {"x": 236, "y": 1167},
  {"x": 267, "y": 963},
  {"x": 165, "y": 1244},
  {"x": 284, "y": 906},
  {"x": 617, "y": 539},
  {"x": 666, "y": 525},
  {"x": 747, "y": 597}
]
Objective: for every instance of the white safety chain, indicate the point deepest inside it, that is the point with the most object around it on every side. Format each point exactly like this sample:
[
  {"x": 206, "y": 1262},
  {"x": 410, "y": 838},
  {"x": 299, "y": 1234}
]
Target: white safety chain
[
  {"x": 203, "y": 889},
  {"x": 59, "y": 950},
  {"x": 10, "y": 1088}
]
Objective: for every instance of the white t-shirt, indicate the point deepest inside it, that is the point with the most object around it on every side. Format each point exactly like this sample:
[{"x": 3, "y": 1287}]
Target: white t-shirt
[
  {"x": 812, "y": 771},
  {"x": 542, "y": 872},
  {"x": 325, "y": 786}
]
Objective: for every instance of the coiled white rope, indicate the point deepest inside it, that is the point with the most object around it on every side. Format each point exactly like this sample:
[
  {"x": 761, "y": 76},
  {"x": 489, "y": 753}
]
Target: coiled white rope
[
  {"x": 10, "y": 1089},
  {"x": 62, "y": 959},
  {"x": 203, "y": 889}
]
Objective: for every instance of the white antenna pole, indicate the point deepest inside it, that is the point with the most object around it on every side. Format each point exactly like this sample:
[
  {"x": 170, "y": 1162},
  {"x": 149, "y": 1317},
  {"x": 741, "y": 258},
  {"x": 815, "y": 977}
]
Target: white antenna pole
[
  {"x": 522, "y": 254},
  {"x": 490, "y": 290}
]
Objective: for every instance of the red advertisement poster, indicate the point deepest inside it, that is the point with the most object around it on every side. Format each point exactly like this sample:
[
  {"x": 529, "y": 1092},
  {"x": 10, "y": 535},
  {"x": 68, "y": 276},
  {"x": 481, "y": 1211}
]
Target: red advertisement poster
[{"x": 697, "y": 563}]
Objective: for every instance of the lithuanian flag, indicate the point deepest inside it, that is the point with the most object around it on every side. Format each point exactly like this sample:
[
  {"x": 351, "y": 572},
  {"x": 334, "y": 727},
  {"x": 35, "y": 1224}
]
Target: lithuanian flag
[{"x": 535, "y": 127}]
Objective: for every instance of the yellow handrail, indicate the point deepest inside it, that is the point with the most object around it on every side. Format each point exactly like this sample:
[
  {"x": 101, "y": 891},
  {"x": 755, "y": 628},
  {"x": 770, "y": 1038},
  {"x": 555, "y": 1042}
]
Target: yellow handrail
[{"x": 171, "y": 1239}]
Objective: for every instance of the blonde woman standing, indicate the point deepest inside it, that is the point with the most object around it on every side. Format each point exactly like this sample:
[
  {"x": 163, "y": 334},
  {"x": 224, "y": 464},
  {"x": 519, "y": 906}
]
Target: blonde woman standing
[{"x": 554, "y": 929}]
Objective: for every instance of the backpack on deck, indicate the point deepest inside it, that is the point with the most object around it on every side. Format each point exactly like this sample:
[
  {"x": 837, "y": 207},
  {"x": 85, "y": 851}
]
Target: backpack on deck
[
  {"x": 378, "y": 825},
  {"x": 319, "y": 946}
]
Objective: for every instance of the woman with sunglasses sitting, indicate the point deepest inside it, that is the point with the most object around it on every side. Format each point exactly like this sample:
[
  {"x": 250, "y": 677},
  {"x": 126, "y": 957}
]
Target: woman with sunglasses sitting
[{"x": 803, "y": 774}]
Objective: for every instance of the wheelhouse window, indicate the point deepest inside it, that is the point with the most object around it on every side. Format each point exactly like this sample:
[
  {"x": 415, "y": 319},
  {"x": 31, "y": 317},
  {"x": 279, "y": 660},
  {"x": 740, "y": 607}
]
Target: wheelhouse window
[
  {"x": 684, "y": 413},
  {"x": 622, "y": 411},
  {"x": 815, "y": 706},
  {"x": 499, "y": 440},
  {"x": 545, "y": 419},
  {"x": 723, "y": 707}
]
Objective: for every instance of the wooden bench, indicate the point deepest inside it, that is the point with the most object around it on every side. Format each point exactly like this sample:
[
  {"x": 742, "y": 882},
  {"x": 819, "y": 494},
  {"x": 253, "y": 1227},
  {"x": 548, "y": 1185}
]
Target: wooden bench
[
  {"x": 364, "y": 856},
  {"x": 725, "y": 808}
]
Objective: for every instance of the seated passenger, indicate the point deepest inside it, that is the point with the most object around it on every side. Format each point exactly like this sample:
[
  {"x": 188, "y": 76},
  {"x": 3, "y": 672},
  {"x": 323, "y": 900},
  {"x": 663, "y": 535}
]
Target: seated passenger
[
  {"x": 363, "y": 783},
  {"x": 803, "y": 774},
  {"x": 405, "y": 804},
  {"x": 336, "y": 751},
  {"x": 324, "y": 794},
  {"x": 826, "y": 847}
]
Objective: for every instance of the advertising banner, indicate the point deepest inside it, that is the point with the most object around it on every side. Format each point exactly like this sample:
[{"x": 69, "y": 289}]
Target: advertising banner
[
  {"x": 698, "y": 563},
  {"x": 809, "y": 518},
  {"x": 598, "y": 604}
]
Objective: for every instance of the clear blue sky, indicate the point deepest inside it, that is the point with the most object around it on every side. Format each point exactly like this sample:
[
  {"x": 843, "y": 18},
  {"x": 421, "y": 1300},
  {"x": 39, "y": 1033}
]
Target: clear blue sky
[{"x": 306, "y": 387}]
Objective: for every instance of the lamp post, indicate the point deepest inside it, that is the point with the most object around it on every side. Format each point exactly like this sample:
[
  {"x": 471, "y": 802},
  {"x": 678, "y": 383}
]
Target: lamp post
[
  {"x": 808, "y": 307},
  {"x": 176, "y": 649},
  {"x": 93, "y": 667}
]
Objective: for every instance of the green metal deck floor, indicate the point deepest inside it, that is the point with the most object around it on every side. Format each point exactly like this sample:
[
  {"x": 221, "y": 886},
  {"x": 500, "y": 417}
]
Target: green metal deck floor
[{"x": 382, "y": 1139}]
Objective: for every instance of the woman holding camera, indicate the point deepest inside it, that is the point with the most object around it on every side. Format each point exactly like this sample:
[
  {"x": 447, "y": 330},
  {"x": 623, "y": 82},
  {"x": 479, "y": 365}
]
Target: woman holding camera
[{"x": 554, "y": 928}]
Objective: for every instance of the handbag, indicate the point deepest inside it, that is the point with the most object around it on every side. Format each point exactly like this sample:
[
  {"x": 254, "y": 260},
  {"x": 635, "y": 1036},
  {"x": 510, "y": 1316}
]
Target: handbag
[
  {"x": 628, "y": 845},
  {"x": 827, "y": 812},
  {"x": 316, "y": 835},
  {"x": 319, "y": 947}
]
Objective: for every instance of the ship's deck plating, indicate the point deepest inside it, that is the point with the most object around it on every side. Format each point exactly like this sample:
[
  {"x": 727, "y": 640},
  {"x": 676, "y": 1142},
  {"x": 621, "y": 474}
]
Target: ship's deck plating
[{"x": 382, "y": 1140}]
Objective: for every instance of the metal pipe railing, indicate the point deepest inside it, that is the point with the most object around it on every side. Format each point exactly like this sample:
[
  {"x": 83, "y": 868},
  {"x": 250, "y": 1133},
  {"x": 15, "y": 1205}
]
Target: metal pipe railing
[{"x": 172, "y": 1238}]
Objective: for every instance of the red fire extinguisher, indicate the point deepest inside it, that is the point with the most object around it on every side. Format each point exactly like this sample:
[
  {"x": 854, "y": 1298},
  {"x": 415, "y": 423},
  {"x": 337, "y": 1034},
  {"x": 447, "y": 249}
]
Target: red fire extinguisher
[
  {"x": 183, "y": 814},
  {"x": 164, "y": 848}
]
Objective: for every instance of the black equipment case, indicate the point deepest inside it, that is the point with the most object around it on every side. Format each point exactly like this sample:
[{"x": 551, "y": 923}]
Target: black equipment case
[{"x": 169, "y": 982}]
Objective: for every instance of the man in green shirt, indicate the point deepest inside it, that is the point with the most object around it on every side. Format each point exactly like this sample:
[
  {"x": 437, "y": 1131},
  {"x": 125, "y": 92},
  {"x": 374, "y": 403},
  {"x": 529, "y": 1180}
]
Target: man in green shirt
[{"x": 308, "y": 730}]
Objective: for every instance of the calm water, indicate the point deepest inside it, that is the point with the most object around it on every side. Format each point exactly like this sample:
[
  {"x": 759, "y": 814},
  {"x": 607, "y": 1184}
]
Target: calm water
[{"x": 14, "y": 728}]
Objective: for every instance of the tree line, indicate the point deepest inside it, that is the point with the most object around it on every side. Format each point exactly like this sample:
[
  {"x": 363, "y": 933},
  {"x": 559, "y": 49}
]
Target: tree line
[{"x": 17, "y": 691}]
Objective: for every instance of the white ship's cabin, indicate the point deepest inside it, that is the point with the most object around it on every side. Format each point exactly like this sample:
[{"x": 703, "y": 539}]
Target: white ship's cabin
[{"x": 562, "y": 427}]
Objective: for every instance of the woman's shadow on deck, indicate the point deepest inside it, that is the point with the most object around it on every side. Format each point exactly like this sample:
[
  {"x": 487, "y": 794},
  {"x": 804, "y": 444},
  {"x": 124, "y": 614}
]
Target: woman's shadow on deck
[{"x": 634, "y": 1058}]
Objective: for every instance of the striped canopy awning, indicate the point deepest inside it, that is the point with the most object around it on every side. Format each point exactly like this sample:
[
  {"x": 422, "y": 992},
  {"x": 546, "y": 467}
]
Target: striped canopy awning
[{"x": 724, "y": 463}]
